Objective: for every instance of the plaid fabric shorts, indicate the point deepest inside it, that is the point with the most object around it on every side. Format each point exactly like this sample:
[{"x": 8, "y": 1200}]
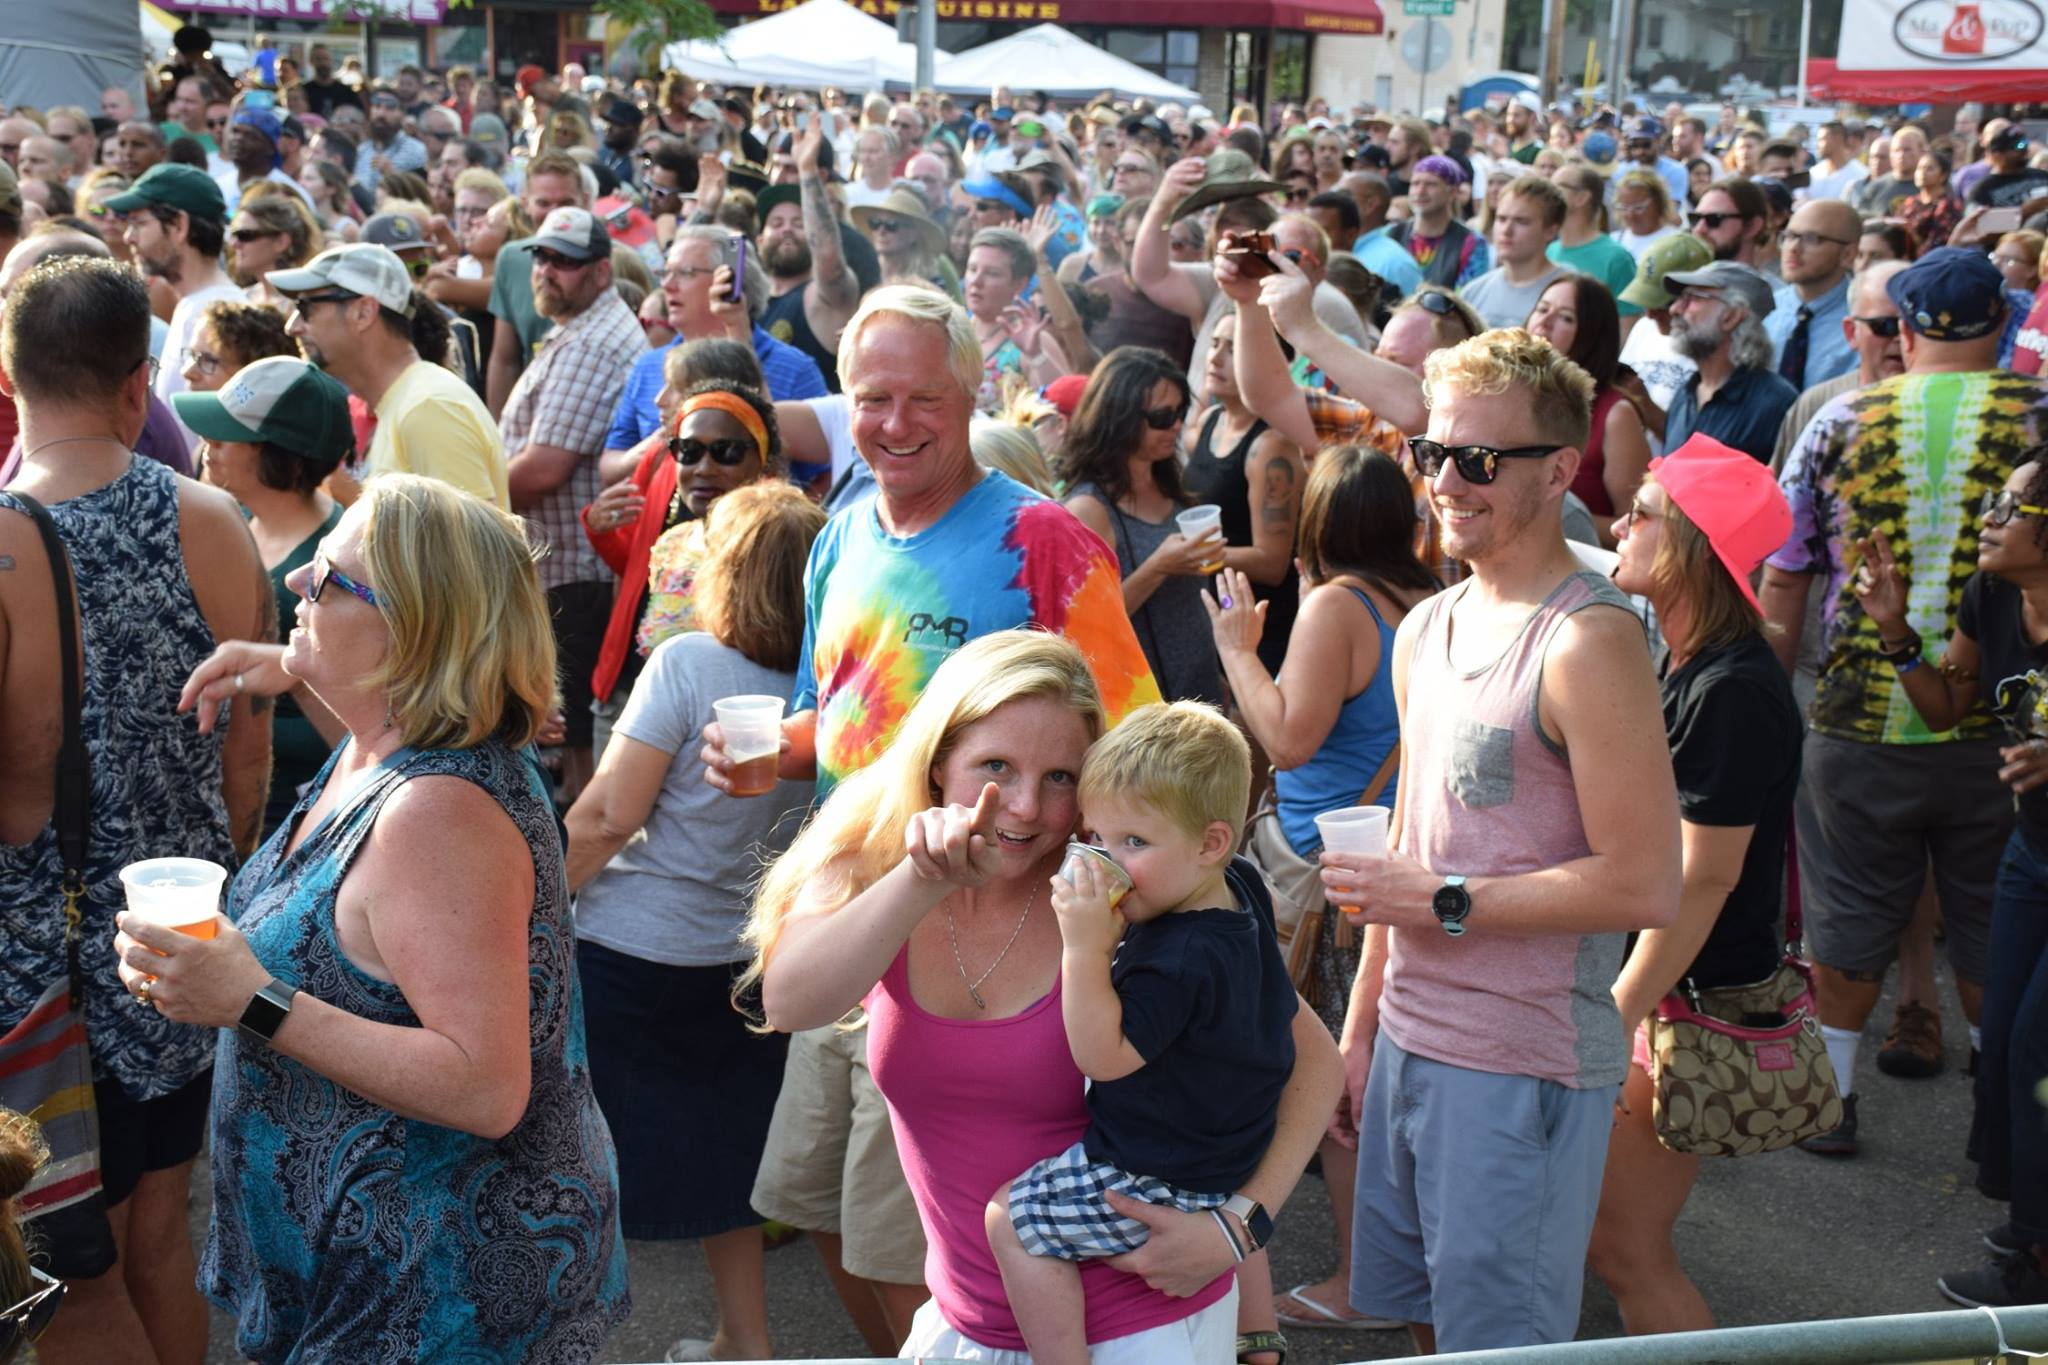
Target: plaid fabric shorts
[{"x": 1058, "y": 1209}]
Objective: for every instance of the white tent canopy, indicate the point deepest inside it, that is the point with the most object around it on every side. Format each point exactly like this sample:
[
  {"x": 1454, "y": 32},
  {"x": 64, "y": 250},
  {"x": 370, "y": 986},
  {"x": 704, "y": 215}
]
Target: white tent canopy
[
  {"x": 1059, "y": 64},
  {"x": 819, "y": 43}
]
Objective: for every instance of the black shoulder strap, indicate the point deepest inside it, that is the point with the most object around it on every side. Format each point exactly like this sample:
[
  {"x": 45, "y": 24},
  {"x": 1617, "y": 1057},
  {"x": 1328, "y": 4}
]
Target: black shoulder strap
[{"x": 74, "y": 768}]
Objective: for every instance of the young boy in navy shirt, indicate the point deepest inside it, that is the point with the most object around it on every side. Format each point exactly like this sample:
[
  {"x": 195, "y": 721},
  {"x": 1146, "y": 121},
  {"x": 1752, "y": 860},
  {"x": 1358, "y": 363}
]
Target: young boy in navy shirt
[{"x": 1183, "y": 1027}]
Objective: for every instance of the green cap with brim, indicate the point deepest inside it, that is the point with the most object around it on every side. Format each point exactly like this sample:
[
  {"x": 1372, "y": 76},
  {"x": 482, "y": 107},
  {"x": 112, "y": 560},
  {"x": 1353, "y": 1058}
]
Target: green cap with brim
[
  {"x": 280, "y": 400},
  {"x": 1680, "y": 252},
  {"x": 174, "y": 185}
]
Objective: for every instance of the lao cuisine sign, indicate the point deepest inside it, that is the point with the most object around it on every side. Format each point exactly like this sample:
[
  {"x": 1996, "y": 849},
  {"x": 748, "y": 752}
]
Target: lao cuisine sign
[{"x": 1968, "y": 31}]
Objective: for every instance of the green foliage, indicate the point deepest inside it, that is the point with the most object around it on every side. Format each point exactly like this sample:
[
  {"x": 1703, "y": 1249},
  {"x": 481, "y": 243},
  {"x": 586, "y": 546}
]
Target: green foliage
[{"x": 654, "y": 24}]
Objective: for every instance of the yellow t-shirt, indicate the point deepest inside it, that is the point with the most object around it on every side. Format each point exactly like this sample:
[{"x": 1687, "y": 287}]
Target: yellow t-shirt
[{"x": 430, "y": 423}]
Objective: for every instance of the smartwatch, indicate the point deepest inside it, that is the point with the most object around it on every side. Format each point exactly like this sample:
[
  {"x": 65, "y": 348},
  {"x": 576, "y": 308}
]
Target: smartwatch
[
  {"x": 1258, "y": 1226},
  {"x": 1452, "y": 903},
  {"x": 267, "y": 1010}
]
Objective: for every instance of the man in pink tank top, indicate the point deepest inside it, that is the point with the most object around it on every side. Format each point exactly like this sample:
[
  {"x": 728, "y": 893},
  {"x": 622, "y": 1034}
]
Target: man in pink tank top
[{"x": 1537, "y": 823}]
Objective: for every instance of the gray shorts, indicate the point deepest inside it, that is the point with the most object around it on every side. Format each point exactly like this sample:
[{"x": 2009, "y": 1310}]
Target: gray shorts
[
  {"x": 1476, "y": 1196},
  {"x": 1872, "y": 818}
]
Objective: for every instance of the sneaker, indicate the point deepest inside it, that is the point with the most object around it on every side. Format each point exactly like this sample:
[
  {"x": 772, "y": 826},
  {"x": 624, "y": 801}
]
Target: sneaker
[
  {"x": 2003, "y": 1242},
  {"x": 2015, "y": 1282},
  {"x": 1841, "y": 1142},
  {"x": 690, "y": 1348},
  {"x": 1912, "y": 1051}
]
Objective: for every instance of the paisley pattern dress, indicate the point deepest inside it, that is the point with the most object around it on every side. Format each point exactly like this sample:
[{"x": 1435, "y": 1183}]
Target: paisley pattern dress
[
  {"x": 156, "y": 781},
  {"x": 344, "y": 1232}
]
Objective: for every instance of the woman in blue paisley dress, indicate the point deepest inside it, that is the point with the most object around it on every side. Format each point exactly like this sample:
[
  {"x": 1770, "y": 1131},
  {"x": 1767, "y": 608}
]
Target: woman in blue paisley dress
[{"x": 410, "y": 1166}]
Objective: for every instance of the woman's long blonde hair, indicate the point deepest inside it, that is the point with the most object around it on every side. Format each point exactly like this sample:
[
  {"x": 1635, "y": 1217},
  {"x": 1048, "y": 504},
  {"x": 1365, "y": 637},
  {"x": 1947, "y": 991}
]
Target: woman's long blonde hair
[{"x": 857, "y": 835}]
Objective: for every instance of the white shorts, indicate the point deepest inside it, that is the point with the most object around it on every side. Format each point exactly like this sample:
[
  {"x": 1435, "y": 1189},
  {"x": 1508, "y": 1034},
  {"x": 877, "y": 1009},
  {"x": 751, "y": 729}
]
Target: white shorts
[{"x": 1208, "y": 1337}]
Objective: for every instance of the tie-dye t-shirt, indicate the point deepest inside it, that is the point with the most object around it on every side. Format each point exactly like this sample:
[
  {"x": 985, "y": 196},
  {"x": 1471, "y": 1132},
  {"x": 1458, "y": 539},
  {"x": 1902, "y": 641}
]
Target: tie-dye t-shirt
[
  {"x": 882, "y": 612},
  {"x": 1912, "y": 457}
]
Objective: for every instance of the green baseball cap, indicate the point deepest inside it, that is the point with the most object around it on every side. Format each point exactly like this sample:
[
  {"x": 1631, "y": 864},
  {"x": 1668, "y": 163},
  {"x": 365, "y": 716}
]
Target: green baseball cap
[
  {"x": 1680, "y": 252},
  {"x": 280, "y": 400},
  {"x": 174, "y": 185}
]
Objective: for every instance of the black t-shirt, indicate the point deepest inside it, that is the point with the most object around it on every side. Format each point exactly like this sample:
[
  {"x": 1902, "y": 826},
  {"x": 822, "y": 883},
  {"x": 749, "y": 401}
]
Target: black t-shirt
[
  {"x": 1990, "y": 615},
  {"x": 2010, "y": 191},
  {"x": 1735, "y": 736},
  {"x": 323, "y": 96},
  {"x": 1208, "y": 1003}
]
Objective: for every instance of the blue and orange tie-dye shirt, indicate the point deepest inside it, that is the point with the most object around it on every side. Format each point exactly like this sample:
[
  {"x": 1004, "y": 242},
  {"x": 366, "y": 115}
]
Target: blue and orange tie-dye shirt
[{"x": 882, "y": 612}]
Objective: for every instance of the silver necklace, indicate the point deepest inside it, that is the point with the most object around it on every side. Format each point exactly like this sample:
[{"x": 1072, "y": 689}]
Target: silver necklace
[{"x": 953, "y": 936}]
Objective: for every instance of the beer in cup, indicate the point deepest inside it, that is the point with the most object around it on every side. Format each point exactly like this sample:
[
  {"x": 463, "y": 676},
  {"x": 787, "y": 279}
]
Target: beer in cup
[
  {"x": 177, "y": 893},
  {"x": 753, "y": 740},
  {"x": 1106, "y": 868},
  {"x": 1355, "y": 829},
  {"x": 1196, "y": 523}
]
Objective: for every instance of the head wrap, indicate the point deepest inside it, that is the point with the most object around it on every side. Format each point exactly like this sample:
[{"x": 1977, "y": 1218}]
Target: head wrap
[{"x": 734, "y": 406}]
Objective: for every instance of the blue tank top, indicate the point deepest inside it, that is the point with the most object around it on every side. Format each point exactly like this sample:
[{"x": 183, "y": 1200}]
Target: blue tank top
[{"x": 1367, "y": 729}]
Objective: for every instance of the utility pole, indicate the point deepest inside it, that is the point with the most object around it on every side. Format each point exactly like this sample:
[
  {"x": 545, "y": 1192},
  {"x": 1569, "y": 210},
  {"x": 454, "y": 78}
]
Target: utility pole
[
  {"x": 927, "y": 42},
  {"x": 1553, "y": 49},
  {"x": 1624, "y": 48}
]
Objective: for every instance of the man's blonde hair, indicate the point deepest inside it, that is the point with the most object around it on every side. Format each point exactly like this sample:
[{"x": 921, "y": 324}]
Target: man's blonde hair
[
  {"x": 1558, "y": 394},
  {"x": 472, "y": 653},
  {"x": 916, "y": 303},
  {"x": 1183, "y": 759}
]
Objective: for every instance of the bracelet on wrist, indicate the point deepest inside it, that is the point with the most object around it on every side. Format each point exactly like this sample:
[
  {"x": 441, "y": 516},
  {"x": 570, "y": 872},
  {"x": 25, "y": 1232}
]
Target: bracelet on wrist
[
  {"x": 1904, "y": 666},
  {"x": 1230, "y": 1236}
]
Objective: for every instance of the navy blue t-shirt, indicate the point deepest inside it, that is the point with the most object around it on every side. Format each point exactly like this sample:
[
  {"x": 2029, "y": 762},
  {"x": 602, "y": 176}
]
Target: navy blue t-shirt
[{"x": 1208, "y": 1004}]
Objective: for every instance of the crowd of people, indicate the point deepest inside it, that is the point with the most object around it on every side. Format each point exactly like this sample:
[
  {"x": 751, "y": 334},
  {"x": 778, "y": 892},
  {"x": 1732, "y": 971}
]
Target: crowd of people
[{"x": 1652, "y": 516}]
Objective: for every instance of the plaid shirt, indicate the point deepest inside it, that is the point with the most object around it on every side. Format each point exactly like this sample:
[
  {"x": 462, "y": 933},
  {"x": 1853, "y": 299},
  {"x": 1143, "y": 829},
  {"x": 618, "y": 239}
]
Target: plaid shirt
[
  {"x": 1343, "y": 421},
  {"x": 566, "y": 398}
]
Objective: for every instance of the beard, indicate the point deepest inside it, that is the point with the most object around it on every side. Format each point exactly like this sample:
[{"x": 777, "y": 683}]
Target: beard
[
  {"x": 1695, "y": 341},
  {"x": 786, "y": 256},
  {"x": 240, "y": 274},
  {"x": 170, "y": 269}
]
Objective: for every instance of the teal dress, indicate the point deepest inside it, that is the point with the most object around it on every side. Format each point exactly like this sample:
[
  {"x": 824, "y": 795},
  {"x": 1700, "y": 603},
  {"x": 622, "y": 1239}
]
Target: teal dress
[{"x": 344, "y": 1232}]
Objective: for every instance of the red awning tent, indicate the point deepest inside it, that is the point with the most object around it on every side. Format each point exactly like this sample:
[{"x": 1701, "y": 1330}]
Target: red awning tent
[
  {"x": 1312, "y": 16},
  {"x": 1935, "y": 52}
]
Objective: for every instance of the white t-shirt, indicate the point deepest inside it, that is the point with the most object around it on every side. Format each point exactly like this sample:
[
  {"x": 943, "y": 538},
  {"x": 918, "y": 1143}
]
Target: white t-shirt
[
  {"x": 170, "y": 373},
  {"x": 1649, "y": 353},
  {"x": 860, "y": 194},
  {"x": 1837, "y": 185},
  {"x": 1637, "y": 245},
  {"x": 231, "y": 186}
]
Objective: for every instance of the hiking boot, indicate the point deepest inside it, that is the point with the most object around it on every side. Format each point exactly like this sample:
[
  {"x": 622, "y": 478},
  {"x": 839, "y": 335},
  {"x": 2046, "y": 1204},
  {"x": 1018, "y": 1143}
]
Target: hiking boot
[
  {"x": 1842, "y": 1141},
  {"x": 2015, "y": 1282},
  {"x": 2003, "y": 1242},
  {"x": 1912, "y": 1050}
]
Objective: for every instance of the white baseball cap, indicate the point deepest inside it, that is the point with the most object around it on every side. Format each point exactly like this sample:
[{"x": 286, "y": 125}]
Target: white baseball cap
[{"x": 364, "y": 268}]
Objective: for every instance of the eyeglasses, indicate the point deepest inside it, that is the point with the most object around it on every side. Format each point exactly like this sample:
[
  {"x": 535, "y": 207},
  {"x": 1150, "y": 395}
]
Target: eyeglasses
[
  {"x": 690, "y": 450},
  {"x": 876, "y": 224},
  {"x": 1694, "y": 297},
  {"x": 1636, "y": 512},
  {"x": 1134, "y": 167},
  {"x": 323, "y": 572},
  {"x": 1712, "y": 221},
  {"x": 1880, "y": 327},
  {"x": 1999, "y": 508},
  {"x": 1807, "y": 241},
  {"x": 28, "y": 1320},
  {"x": 216, "y": 123},
  {"x": 681, "y": 274},
  {"x": 1476, "y": 464},
  {"x": 248, "y": 235},
  {"x": 555, "y": 260},
  {"x": 463, "y": 211},
  {"x": 1165, "y": 419},
  {"x": 203, "y": 361}
]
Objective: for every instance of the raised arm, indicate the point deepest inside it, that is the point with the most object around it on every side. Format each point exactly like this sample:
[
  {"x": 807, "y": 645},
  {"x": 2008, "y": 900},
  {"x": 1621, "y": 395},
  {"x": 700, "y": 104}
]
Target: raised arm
[
  {"x": 1942, "y": 695},
  {"x": 1383, "y": 386},
  {"x": 837, "y": 288},
  {"x": 1153, "y": 268},
  {"x": 1290, "y": 717}
]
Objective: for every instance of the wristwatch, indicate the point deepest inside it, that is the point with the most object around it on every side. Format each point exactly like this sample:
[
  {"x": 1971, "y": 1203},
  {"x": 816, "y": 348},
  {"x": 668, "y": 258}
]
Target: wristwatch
[
  {"x": 1452, "y": 903},
  {"x": 267, "y": 1010},
  {"x": 1258, "y": 1226}
]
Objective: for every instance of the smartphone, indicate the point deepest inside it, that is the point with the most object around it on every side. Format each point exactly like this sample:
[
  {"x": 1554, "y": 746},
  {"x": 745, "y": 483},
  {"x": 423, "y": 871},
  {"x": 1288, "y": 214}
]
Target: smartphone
[
  {"x": 739, "y": 267},
  {"x": 2000, "y": 220}
]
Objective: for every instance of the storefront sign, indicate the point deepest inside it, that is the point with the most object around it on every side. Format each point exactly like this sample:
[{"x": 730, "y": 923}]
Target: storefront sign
[{"x": 350, "y": 11}]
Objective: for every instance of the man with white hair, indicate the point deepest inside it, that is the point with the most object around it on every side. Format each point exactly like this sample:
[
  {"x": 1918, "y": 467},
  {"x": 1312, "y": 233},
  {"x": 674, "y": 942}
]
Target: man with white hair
[{"x": 1734, "y": 396}]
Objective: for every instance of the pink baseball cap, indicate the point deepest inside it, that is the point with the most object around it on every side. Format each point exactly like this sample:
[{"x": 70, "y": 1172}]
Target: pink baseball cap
[{"x": 1732, "y": 498}]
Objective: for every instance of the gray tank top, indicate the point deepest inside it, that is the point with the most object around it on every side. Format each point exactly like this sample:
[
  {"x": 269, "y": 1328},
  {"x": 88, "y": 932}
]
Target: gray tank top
[{"x": 1172, "y": 626}]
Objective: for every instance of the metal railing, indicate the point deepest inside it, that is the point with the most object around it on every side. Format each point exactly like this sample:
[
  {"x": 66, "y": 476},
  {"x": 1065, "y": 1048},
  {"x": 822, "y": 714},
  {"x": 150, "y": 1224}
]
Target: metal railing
[{"x": 1900, "y": 1339}]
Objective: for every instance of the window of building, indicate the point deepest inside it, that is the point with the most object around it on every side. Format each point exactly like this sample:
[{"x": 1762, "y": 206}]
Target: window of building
[
  {"x": 1653, "y": 30},
  {"x": 1172, "y": 53}
]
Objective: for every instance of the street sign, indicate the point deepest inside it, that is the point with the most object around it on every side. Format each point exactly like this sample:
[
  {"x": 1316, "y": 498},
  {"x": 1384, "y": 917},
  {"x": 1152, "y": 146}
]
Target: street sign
[
  {"x": 1441, "y": 9},
  {"x": 1426, "y": 46}
]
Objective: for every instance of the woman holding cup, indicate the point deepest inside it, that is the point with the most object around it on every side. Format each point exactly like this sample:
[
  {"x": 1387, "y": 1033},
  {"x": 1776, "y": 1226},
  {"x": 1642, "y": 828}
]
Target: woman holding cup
[
  {"x": 1121, "y": 466},
  {"x": 674, "y": 1066}
]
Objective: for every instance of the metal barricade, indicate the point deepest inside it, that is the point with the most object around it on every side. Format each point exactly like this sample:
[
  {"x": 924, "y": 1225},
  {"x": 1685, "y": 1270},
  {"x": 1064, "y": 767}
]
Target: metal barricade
[{"x": 1899, "y": 1339}]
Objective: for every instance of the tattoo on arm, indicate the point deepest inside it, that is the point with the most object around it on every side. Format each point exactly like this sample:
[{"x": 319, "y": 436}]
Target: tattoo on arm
[
  {"x": 6, "y": 563},
  {"x": 821, "y": 233},
  {"x": 1278, "y": 508}
]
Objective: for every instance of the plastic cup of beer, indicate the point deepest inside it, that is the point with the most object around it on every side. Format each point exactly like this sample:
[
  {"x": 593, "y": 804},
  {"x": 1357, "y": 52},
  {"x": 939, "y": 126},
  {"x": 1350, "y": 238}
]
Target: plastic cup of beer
[
  {"x": 1196, "y": 523},
  {"x": 753, "y": 740},
  {"x": 177, "y": 893},
  {"x": 1105, "y": 867},
  {"x": 1355, "y": 829}
]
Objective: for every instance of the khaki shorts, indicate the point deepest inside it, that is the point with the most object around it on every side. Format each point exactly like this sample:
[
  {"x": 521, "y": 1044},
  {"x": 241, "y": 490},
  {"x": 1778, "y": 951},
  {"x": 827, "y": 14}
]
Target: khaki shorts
[{"x": 831, "y": 1164}]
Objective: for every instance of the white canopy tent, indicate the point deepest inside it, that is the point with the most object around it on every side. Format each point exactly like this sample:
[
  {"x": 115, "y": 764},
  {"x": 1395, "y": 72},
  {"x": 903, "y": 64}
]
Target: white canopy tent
[
  {"x": 819, "y": 43},
  {"x": 1058, "y": 63},
  {"x": 68, "y": 53}
]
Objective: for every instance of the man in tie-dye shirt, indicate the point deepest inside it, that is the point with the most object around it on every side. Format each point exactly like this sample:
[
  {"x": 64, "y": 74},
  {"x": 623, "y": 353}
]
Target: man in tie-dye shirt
[{"x": 944, "y": 553}]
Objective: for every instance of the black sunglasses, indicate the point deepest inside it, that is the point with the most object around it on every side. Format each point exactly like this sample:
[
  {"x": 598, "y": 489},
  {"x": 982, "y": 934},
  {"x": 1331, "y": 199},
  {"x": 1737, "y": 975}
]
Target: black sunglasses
[
  {"x": 1437, "y": 302},
  {"x": 246, "y": 235},
  {"x": 339, "y": 296},
  {"x": 1476, "y": 464},
  {"x": 1712, "y": 220},
  {"x": 1883, "y": 327},
  {"x": 29, "y": 1319},
  {"x": 876, "y": 223},
  {"x": 555, "y": 260},
  {"x": 690, "y": 450},
  {"x": 1165, "y": 419}
]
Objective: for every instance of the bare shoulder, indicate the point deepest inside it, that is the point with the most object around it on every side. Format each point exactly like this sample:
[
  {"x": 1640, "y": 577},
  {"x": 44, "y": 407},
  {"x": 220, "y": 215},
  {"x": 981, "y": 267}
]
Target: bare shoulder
[
  {"x": 1601, "y": 633},
  {"x": 209, "y": 510},
  {"x": 410, "y": 838}
]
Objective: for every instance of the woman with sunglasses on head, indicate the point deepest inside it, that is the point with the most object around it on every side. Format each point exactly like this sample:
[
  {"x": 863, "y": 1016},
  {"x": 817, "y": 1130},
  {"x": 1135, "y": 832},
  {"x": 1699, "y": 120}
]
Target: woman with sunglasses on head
[
  {"x": 673, "y": 1064},
  {"x": 1120, "y": 464},
  {"x": 1576, "y": 315},
  {"x": 1698, "y": 528},
  {"x": 396, "y": 974},
  {"x": 1998, "y": 656}
]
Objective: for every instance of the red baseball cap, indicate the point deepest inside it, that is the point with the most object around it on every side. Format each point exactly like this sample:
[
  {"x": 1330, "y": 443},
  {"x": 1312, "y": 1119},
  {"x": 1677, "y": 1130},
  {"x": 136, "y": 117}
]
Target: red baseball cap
[
  {"x": 528, "y": 77},
  {"x": 1732, "y": 499},
  {"x": 1064, "y": 393}
]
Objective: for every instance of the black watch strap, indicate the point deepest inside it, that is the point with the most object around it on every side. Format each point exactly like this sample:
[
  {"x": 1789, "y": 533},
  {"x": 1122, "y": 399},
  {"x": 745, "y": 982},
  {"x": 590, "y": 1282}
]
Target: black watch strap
[{"x": 267, "y": 1010}]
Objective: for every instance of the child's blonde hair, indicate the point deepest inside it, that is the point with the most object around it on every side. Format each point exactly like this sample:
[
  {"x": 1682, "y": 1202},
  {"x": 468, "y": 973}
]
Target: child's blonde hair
[{"x": 1181, "y": 758}]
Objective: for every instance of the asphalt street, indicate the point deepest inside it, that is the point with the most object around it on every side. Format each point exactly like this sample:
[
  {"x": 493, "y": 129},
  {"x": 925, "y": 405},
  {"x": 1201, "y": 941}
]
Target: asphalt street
[{"x": 1775, "y": 1238}]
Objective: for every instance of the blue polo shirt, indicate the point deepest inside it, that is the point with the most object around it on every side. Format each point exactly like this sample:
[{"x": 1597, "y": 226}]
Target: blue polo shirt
[
  {"x": 1828, "y": 352},
  {"x": 790, "y": 374},
  {"x": 1745, "y": 412},
  {"x": 1389, "y": 260}
]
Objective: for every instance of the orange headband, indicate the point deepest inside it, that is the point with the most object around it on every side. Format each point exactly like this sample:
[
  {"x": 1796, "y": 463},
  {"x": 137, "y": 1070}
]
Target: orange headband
[{"x": 734, "y": 406}]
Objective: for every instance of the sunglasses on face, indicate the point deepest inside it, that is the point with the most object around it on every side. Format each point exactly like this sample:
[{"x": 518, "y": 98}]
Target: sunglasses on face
[
  {"x": 1999, "y": 508},
  {"x": 1476, "y": 464},
  {"x": 1132, "y": 168},
  {"x": 688, "y": 450},
  {"x": 555, "y": 260},
  {"x": 1712, "y": 221},
  {"x": 1880, "y": 327},
  {"x": 216, "y": 123},
  {"x": 323, "y": 573},
  {"x": 883, "y": 224},
  {"x": 248, "y": 235},
  {"x": 1165, "y": 419},
  {"x": 29, "y": 1319}
]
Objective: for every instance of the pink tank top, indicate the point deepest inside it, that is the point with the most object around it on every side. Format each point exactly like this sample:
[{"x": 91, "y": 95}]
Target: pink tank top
[
  {"x": 1490, "y": 795},
  {"x": 975, "y": 1102}
]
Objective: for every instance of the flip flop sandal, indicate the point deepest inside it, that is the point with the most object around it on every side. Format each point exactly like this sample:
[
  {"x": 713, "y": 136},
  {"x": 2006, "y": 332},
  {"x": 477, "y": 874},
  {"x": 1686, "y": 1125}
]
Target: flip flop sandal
[
  {"x": 1319, "y": 1317},
  {"x": 1255, "y": 1343}
]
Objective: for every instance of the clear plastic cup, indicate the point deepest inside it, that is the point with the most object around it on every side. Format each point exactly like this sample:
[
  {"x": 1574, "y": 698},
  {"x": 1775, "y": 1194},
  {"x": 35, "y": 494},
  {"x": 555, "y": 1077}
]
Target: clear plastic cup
[
  {"x": 753, "y": 740},
  {"x": 177, "y": 893},
  {"x": 1105, "y": 866},
  {"x": 1197, "y": 522},
  {"x": 1354, "y": 829}
]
